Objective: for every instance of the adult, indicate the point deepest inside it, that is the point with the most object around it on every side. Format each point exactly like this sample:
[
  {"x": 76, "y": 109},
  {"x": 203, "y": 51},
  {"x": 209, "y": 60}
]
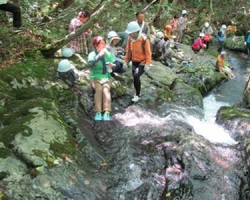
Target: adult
[
  {"x": 138, "y": 51},
  {"x": 221, "y": 36},
  {"x": 221, "y": 67},
  {"x": 116, "y": 51},
  {"x": 80, "y": 43},
  {"x": 207, "y": 30},
  {"x": 198, "y": 43},
  {"x": 10, "y": 7},
  {"x": 231, "y": 29},
  {"x": 247, "y": 42},
  {"x": 182, "y": 25},
  {"x": 144, "y": 28},
  {"x": 101, "y": 61},
  {"x": 168, "y": 32},
  {"x": 174, "y": 24},
  {"x": 161, "y": 49}
]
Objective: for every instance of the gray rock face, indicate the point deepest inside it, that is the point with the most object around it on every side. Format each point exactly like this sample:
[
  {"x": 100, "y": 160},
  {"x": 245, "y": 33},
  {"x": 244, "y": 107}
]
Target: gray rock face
[{"x": 148, "y": 151}]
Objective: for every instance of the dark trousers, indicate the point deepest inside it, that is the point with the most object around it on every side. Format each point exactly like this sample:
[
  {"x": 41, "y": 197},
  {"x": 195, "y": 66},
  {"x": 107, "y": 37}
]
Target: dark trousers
[
  {"x": 220, "y": 46},
  {"x": 9, "y": 7},
  {"x": 248, "y": 48},
  {"x": 137, "y": 71}
]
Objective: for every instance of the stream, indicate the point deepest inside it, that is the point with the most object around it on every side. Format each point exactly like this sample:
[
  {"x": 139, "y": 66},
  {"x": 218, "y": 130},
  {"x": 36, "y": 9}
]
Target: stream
[{"x": 227, "y": 94}]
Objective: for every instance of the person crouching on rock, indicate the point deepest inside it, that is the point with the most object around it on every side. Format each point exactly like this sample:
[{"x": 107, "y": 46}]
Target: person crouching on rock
[
  {"x": 138, "y": 51},
  {"x": 198, "y": 43},
  {"x": 101, "y": 61},
  {"x": 221, "y": 67}
]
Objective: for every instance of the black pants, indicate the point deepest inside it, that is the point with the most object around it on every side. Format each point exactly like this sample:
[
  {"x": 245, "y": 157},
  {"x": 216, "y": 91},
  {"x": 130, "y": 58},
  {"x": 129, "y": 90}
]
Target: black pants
[
  {"x": 220, "y": 46},
  {"x": 137, "y": 71},
  {"x": 9, "y": 7},
  {"x": 248, "y": 48}
]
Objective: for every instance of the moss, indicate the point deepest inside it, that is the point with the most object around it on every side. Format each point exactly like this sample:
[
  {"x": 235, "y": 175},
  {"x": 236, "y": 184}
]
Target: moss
[
  {"x": 25, "y": 69},
  {"x": 230, "y": 113},
  {"x": 165, "y": 95},
  {"x": 7, "y": 134},
  {"x": 45, "y": 156},
  {"x": 4, "y": 153},
  {"x": 19, "y": 109},
  {"x": 3, "y": 175},
  {"x": 31, "y": 93},
  {"x": 66, "y": 148}
]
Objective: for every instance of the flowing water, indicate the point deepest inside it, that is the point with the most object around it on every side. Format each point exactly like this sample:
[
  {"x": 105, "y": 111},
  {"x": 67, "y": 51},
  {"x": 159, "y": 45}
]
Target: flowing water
[{"x": 227, "y": 94}]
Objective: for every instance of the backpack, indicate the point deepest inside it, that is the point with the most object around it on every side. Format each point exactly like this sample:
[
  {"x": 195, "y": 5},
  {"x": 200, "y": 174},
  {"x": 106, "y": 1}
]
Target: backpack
[
  {"x": 69, "y": 77},
  {"x": 248, "y": 38},
  {"x": 206, "y": 37},
  {"x": 142, "y": 44}
]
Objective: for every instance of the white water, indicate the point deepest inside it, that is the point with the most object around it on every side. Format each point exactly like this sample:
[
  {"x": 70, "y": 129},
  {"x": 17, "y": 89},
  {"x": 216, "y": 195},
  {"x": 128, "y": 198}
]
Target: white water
[{"x": 207, "y": 126}]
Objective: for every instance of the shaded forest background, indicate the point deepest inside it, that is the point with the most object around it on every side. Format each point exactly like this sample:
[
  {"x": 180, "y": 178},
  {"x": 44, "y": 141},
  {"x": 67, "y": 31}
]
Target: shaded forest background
[{"x": 45, "y": 22}]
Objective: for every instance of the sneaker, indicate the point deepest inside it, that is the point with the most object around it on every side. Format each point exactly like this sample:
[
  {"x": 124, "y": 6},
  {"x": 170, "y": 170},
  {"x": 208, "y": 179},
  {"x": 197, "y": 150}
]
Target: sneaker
[
  {"x": 98, "y": 116},
  {"x": 106, "y": 116},
  {"x": 136, "y": 98}
]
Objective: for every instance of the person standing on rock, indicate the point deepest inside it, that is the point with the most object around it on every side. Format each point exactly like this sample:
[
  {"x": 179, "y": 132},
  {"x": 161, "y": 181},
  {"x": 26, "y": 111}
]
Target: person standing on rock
[
  {"x": 247, "y": 42},
  {"x": 101, "y": 61},
  {"x": 80, "y": 43},
  {"x": 144, "y": 28},
  {"x": 221, "y": 36},
  {"x": 207, "y": 30},
  {"x": 182, "y": 25},
  {"x": 138, "y": 51}
]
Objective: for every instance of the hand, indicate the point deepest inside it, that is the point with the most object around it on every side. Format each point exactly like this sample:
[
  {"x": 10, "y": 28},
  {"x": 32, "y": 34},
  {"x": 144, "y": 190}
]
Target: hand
[
  {"x": 103, "y": 52},
  {"x": 146, "y": 68},
  {"x": 125, "y": 66}
]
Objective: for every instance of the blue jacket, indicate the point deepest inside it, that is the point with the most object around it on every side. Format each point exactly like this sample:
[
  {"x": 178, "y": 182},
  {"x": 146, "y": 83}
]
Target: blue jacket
[{"x": 247, "y": 37}]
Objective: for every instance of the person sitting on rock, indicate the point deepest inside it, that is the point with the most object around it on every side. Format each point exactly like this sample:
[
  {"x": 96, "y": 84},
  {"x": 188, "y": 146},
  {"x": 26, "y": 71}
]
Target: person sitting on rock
[
  {"x": 10, "y": 7},
  {"x": 80, "y": 43},
  {"x": 208, "y": 31},
  {"x": 198, "y": 43},
  {"x": 221, "y": 67},
  {"x": 161, "y": 49},
  {"x": 117, "y": 52},
  {"x": 247, "y": 42},
  {"x": 101, "y": 61}
]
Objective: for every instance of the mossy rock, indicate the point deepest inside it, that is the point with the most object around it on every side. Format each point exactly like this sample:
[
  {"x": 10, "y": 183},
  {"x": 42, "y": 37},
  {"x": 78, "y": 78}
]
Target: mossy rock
[
  {"x": 165, "y": 94},
  {"x": 185, "y": 94},
  {"x": 4, "y": 152},
  {"x": 24, "y": 69},
  {"x": 231, "y": 113}
]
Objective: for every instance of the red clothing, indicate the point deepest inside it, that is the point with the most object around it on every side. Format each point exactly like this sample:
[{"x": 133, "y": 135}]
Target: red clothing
[{"x": 198, "y": 43}]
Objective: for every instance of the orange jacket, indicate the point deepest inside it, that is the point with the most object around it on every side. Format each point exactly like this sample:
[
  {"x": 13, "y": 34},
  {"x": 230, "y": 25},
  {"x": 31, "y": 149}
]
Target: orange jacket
[
  {"x": 220, "y": 62},
  {"x": 135, "y": 52}
]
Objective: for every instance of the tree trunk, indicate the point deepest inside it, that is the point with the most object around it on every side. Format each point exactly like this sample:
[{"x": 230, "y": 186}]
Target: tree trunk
[
  {"x": 211, "y": 6},
  {"x": 50, "y": 49}
]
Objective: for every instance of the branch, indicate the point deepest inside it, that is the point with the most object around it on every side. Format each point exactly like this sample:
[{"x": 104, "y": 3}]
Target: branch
[{"x": 49, "y": 50}]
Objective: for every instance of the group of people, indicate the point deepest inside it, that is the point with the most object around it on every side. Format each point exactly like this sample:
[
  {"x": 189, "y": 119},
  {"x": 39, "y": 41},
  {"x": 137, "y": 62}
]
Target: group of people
[
  {"x": 107, "y": 59},
  {"x": 136, "y": 47}
]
